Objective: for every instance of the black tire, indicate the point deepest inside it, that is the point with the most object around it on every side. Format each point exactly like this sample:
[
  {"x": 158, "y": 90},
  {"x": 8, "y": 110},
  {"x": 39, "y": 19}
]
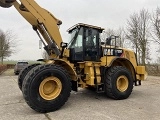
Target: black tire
[
  {"x": 23, "y": 73},
  {"x": 122, "y": 75},
  {"x": 34, "y": 79}
]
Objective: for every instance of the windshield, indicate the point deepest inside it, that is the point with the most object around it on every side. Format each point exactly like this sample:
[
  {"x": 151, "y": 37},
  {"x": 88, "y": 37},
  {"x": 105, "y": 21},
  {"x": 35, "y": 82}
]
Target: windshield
[
  {"x": 76, "y": 39},
  {"x": 73, "y": 34}
]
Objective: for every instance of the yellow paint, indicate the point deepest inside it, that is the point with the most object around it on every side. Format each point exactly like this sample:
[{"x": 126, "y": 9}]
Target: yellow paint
[
  {"x": 66, "y": 53},
  {"x": 140, "y": 70},
  {"x": 50, "y": 88},
  {"x": 122, "y": 83},
  {"x": 68, "y": 66}
]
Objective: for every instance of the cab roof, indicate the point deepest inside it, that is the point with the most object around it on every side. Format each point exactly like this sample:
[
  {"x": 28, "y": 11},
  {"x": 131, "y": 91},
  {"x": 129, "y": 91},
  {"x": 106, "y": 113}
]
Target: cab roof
[{"x": 84, "y": 25}]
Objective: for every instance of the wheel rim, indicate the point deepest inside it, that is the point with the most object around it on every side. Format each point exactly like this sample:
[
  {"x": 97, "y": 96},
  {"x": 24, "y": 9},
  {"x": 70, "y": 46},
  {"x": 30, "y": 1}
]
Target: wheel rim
[
  {"x": 122, "y": 83},
  {"x": 50, "y": 88}
]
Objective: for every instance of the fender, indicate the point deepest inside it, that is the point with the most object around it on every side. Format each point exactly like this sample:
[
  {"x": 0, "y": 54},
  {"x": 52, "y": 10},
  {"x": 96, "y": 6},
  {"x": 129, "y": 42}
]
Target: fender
[
  {"x": 68, "y": 66},
  {"x": 126, "y": 63}
]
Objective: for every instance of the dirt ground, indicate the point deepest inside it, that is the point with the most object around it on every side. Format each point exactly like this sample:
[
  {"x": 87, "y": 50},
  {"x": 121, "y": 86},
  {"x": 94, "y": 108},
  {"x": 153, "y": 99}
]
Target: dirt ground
[{"x": 143, "y": 103}]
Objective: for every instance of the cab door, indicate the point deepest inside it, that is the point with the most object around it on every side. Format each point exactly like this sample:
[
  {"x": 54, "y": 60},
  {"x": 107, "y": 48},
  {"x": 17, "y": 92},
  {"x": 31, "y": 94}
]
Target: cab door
[{"x": 91, "y": 44}]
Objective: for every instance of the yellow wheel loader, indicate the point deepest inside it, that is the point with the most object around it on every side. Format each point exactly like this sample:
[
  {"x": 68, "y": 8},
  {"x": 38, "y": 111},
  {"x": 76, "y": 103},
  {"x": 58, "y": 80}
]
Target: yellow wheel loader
[{"x": 84, "y": 62}]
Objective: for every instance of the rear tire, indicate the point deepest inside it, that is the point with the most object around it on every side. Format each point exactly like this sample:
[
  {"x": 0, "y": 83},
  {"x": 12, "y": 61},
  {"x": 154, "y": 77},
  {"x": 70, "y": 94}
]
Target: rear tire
[
  {"x": 23, "y": 73},
  {"x": 118, "y": 83},
  {"x": 46, "y": 88}
]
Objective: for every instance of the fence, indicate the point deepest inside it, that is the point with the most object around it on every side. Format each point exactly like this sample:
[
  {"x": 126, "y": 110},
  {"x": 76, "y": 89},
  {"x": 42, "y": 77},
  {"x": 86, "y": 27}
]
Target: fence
[
  {"x": 3, "y": 68},
  {"x": 153, "y": 70},
  {"x": 7, "y": 66}
]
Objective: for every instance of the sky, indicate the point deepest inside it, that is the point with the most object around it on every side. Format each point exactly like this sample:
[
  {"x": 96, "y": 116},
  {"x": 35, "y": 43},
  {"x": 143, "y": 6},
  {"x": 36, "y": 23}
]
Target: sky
[{"x": 104, "y": 13}]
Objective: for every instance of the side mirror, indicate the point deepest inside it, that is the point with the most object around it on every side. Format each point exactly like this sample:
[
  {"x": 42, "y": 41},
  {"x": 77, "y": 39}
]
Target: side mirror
[{"x": 64, "y": 45}]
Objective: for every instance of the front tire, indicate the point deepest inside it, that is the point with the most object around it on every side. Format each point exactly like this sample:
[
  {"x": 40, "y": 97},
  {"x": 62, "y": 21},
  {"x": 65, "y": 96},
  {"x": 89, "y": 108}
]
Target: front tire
[
  {"x": 118, "y": 83},
  {"x": 46, "y": 88}
]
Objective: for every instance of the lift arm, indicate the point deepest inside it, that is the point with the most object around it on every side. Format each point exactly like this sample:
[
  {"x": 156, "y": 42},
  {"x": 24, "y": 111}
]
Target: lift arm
[{"x": 43, "y": 22}]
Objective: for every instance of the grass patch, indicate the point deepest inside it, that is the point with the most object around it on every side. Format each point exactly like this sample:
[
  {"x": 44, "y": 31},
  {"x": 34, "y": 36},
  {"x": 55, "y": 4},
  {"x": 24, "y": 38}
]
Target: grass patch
[{"x": 14, "y": 62}]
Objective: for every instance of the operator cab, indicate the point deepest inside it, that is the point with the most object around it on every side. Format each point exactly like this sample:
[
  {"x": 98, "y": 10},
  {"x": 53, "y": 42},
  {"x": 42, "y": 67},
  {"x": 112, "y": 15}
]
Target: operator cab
[{"x": 85, "y": 44}]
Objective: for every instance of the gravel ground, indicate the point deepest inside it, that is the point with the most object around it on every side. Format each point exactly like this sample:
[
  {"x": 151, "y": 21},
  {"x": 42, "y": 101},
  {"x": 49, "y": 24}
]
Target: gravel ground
[{"x": 143, "y": 104}]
